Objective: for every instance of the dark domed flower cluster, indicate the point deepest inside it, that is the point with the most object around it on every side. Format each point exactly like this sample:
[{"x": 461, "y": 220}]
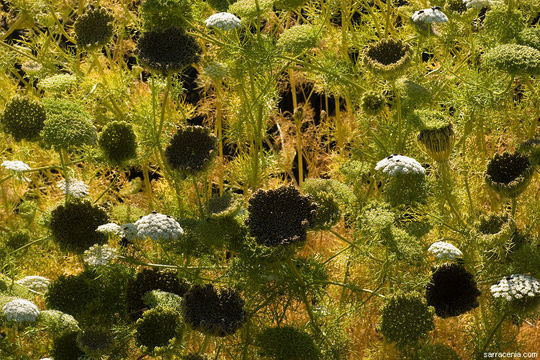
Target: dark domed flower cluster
[
  {"x": 287, "y": 343},
  {"x": 213, "y": 312},
  {"x": 509, "y": 174},
  {"x": 23, "y": 118},
  {"x": 73, "y": 225},
  {"x": 168, "y": 50},
  {"x": 191, "y": 149},
  {"x": 280, "y": 217},
  {"x": 373, "y": 103},
  {"x": 94, "y": 28},
  {"x": 70, "y": 294},
  {"x": 405, "y": 319},
  {"x": 151, "y": 279},
  {"x": 388, "y": 57},
  {"x": 95, "y": 341},
  {"x": 65, "y": 347},
  {"x": 118, "y": 141},
  {"x": 452, "y": 290},
  {"x": 157, "y": 327}
]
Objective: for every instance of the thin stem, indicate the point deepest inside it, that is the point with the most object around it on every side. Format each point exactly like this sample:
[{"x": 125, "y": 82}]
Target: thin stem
[
  {"x": 197, "y": 193},
  {"x": 514, "y": 206},
  {"x": 492, "y": 333},
  {"x": 445, "y": 175}
]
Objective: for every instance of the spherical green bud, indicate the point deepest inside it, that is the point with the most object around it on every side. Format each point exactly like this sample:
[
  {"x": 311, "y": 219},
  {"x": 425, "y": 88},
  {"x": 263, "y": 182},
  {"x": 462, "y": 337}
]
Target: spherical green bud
[
  {"x": 168, "y": 51},
  {"x": 73, "y": 225},
  {"x": 118, "y": 141},
  {"x": 329, "y": 195},
  {"x": 514, "y": 59},
  {"x": 67, "y": 125},
  {"x": 191, "y": 149},
  {"x": 373, "y": 103},
  {"x": 287, "y": 343},
  {"x": 509, "y": 174},
  {"x": 166, "y": 13},
  {"x": 436, "y": 136},
  {"x": 157, "y": 327},
  {"x": 94, "y": 28},
  {"x": 298, "y": 38},
  {"x": 406, "y": 319},
  {"x": 23, "y": 118},
  {"x": 406, "y": 189},
  {"x": 247, "y": 9},
  {"x": 388, "y": 58},
  {"x": 58, "y": 83}
]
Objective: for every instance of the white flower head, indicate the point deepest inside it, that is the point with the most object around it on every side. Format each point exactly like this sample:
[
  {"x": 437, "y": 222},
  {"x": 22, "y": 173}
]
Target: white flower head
[
  {"x": 75, "y": 188},
  {"x": 21, "y": 310},
  {"x": 158, "y": 227},
  {"x": 100, "y": 255},
  {"x": 36, "y": 283},
  {"x": 17, "y": 167},
  {"x": 129, "y": 231},
  {"x": 479, "y": 4},
  {"x": 223, "y": 21},
  {"x": 110, "y": 229},
  {"x": 516, "y": 286},
  {"x": 444, "y": 251},
  {"x": 399, "y": 164},
  {"x": 429, "y": 16}
]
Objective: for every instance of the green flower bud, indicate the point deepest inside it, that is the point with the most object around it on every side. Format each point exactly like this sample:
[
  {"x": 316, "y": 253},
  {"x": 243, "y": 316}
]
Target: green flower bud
[
  {"x": 158, "y": 327},
  {"x": 373, "y": 103},
  {"x": 247, "y": 9},
  {"x": 514, "y": 59},
  {"x": 94, "y": 28},
  {"x": 58, "y": 83},
  {"x": 118, "y": 141},
  {"x": 530, "y": 37},
  {"x": 23, "y": 118},
  {"x": 502, "y": 25},
  {"x": 287, "y": 343},
  {"x": 298, "y": 38},
  {"x": 95, "y": 342},
  {"x": 436, "y": 136},
  {"x": 166, "y": 13}
]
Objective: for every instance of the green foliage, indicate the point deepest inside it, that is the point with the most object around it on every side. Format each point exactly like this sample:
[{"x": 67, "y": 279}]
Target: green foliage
[
  {"x": 118, "y": 141},
  {"x": 530, "y": 36},
  {"x": 406, "y": 319},
  {"x": 220, "y": 5},
  {"x": 73, "y": 225},
  {"x": 406, "y": 189},
  {"x": 17, "y": 239},
  {"x": 158, "y": 327},
  {"x": 502, "y": 25},
  {"x": 373, "y": 103},
  {"x": 70, "y": 294},
  {"x": 68, "y": 125},
  {"x": 289, "y": 4},
  {"x": 23, "y": 118},
  {"x": 162, "y": 14},
  {"x": 247, "y": 9},
  {"x": 58, "y": 322},
  {"x": 437, "y": 351},
  {"x": 65, "y": 347},
  {"x": 287, "y": 343},
  {"x": 95, "y": 341}
]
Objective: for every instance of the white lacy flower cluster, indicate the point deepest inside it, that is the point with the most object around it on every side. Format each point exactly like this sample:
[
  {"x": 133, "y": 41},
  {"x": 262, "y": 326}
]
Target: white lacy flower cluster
[
  {"x": 158, "y": 227},
  {"x": 20, "y": 310},
  {"x": 110, "y": 229},
  {"x": 399, "y": 164},
  {"x": 223, "y": 21},
  {"x": 36, "y": 283},
  {"x": 444, "y": 250},
  {"x": 429, "y": 16},
  {"x": 516, "y": 287},
  {"x": 100, "y": 255},
  {"x": 15, "y": 165},
  {"x": 480, "y": 4},
  {"x": 75, "y": 188}
]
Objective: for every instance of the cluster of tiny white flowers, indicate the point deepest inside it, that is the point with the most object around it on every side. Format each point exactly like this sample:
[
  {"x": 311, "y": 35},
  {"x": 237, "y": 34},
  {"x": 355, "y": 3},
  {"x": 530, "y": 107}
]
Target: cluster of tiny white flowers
[
  {"x": 75, "y": 188},
  {"x": 130, "y": 231},
  {"x": 100, "y": 255},
  {"x": 479, "y": 4},
  {"x": 429, "y": 16},
  {"x": 20, "y": 310},
  {"x": 515, "y": 287},
  {"x": 223, "y": 21},
  {"x": 36, "y": 283},
  {"x": 444, "y": 250},
  {"x": 399, "y": 164},
  {"x": 16, "y": 166},
  {"x": 110, "y": 229},
  {"x": 158, "y": 227}
]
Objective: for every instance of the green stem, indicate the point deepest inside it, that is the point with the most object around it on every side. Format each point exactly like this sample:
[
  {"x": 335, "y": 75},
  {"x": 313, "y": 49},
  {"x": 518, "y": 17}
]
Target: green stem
[
  {"x": 445, "y": 176},
  {"x": 197, "y": 193},
  {"x": 399, "y": 116},
  {"x": 514, "y": 206},
  {"x": 492, "y": 333}
]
